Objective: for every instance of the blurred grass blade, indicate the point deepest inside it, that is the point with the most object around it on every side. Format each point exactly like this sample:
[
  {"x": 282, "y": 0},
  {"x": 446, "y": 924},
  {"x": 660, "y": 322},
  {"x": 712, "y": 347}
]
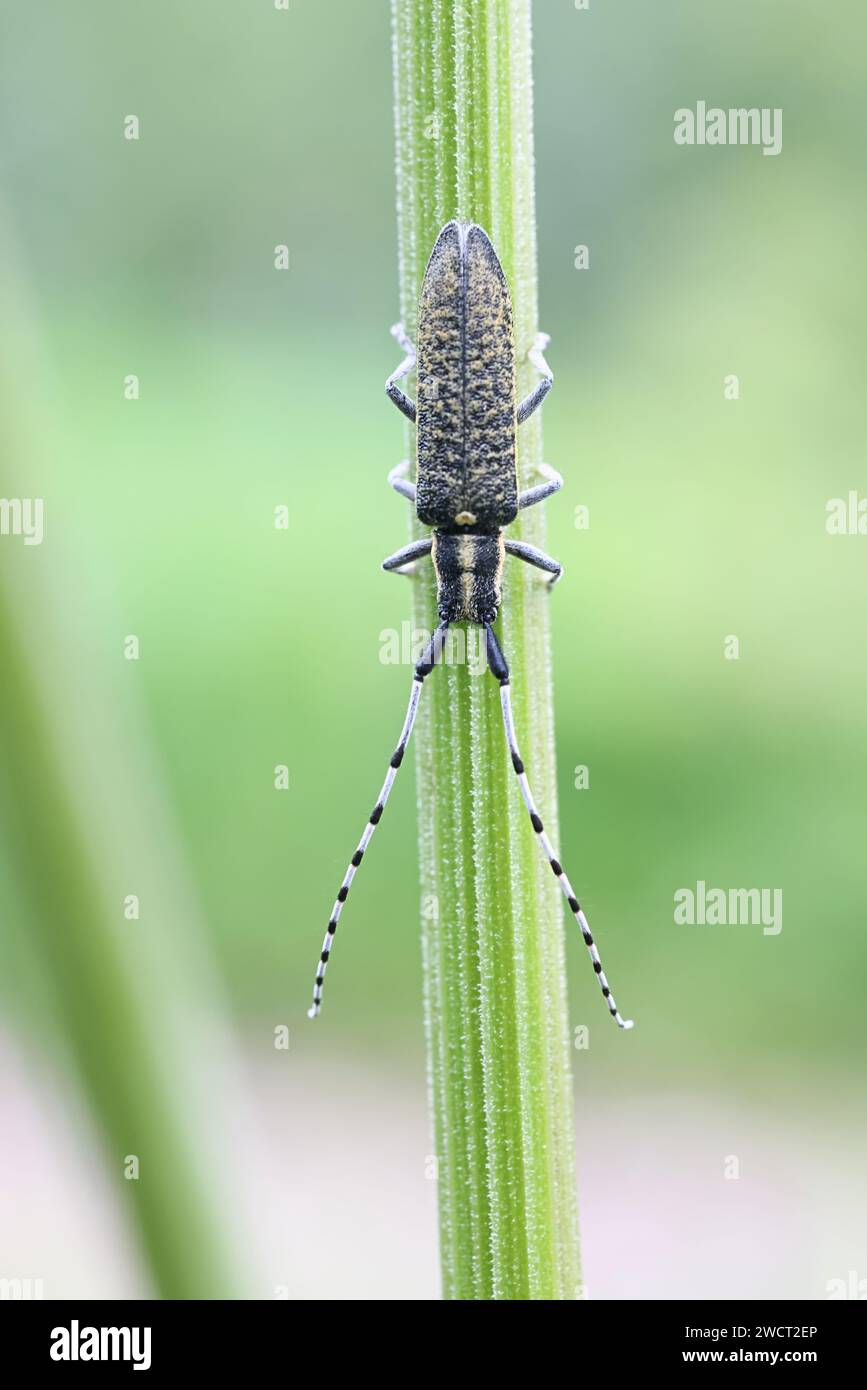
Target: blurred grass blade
[
  {"x": 496, "y": 1015},
  {"x": 86, "y": 823}
]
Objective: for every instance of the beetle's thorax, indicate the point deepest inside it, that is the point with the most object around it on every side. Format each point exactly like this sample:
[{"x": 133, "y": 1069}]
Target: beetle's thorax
[{"x": 469, "y": 571}]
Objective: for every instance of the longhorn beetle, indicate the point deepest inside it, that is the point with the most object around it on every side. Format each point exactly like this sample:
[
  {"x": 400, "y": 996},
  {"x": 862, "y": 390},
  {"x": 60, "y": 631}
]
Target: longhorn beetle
[{"x": 466, "y": 489}]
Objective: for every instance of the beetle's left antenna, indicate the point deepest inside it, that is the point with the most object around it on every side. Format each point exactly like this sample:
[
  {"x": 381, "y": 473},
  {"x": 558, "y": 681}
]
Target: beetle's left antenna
[
  {"x": 499, "y": 668},
  {"x": 424, "y": 666}
]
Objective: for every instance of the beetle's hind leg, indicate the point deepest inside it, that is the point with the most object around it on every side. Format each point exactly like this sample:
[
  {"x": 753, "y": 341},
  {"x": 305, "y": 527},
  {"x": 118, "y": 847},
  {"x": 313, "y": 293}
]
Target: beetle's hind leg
[
  {"x": 538, "y": 394},
  {"x": 400, "y": 482},
  {"x": 392, "y": 390},
  {"x": 401, "y": 561},
  {"x": 531, "y": 555},
  {"x": 553, "y": 483},
  {"x": 500, "y": 671}
]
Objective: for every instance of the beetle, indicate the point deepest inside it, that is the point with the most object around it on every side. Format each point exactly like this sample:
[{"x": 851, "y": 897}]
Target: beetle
[{"x": 466, "y": 489}]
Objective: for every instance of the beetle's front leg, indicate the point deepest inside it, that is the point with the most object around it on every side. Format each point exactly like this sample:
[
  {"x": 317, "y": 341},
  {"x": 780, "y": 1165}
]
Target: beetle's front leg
[
  {"x": 538, "y": 394},
  {"x": 392, "y": 390},
  {"x": 531, "y": 555},
  {"x": 401, "y": 561}
]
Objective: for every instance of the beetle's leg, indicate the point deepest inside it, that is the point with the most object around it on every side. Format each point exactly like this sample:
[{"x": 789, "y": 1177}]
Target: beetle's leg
[
  {"x": 392, "y": 389},
  {"x": 423, "y": 668},
  {"x": 404, "y": 556},
  {"x": 532, "y": 556},
  {"x": 553, "y": 483},
  {"x": 538, "y": 394},
  {"x": 399, "y": 481},
  {"x": 499, "y": 669}
]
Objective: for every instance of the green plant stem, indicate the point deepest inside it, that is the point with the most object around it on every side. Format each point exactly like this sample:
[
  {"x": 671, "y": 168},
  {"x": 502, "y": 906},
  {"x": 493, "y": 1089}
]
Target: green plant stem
[{"x": 496, "y": 1017}]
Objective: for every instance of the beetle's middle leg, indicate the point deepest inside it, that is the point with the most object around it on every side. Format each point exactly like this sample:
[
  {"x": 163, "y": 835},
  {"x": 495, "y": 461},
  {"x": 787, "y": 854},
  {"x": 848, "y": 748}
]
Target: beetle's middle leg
[
  {"x": 538, "y": 394},
  {"x": 553, "y": 483},
  {"x": 401, "y": 561},
  {"x": 392, "y": 390},
  {"x": 400, "y": 482},
  {"x": 533, "y": 556}
]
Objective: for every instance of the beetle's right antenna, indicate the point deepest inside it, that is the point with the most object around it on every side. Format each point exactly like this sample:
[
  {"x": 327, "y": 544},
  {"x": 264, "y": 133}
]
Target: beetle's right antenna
[
  {"x": 497, "y": 664},
  {"x": 424, "y": 666}
]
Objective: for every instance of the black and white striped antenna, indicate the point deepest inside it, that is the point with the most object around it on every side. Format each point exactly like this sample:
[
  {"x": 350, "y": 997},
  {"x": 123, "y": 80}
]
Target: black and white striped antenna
[
  {"x": 499, "y": 669},
  {"x": 424, "y": 666}
]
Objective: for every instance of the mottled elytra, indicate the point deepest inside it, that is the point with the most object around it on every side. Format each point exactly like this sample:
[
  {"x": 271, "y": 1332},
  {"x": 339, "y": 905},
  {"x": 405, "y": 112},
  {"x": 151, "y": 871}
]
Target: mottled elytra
[
  {"x": 466, "y": 489},
  {"x": 466, "y": 471}
]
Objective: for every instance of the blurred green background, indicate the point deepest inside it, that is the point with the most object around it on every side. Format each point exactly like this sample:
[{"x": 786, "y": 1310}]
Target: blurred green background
[{"x": 261, "y": 647}]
